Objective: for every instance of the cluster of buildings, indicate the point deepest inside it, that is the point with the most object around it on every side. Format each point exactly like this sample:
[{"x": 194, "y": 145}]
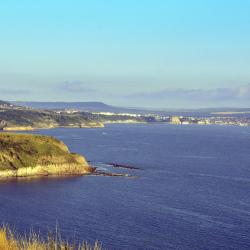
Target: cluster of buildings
[
  {"x": 67, "y": 111},
  {"x": 188, "y": 120},
  {"x": 6, "y": 105},
  {"x": 112, "y": 114},
  {"x": 241, "y": 121}
]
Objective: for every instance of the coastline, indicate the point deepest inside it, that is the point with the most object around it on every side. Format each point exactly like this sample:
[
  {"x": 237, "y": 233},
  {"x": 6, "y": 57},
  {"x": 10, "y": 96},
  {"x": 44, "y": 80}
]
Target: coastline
[
  {"x": 30, "y": 128},
  {"x": 46, "y": 170},
  {"x": 102, "y": 125}
]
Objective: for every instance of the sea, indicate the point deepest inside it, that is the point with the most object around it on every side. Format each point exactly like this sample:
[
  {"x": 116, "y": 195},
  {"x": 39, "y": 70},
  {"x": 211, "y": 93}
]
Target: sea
[{"x": 191, "y": 191}]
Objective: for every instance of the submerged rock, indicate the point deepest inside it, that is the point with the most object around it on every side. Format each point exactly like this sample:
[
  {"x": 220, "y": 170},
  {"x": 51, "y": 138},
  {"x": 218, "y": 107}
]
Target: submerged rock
[
  {"x": 23, "y": 155},
  {"x": 116, "y": 165}
]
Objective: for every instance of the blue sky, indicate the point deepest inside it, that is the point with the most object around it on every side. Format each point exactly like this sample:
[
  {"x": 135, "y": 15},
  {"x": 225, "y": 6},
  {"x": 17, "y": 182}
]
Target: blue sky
[{"x": 150, "y": 53}]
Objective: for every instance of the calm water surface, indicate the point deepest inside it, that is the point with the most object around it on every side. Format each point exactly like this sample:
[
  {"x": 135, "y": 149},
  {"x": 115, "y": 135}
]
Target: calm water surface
[{"x": 193, "y": 191}]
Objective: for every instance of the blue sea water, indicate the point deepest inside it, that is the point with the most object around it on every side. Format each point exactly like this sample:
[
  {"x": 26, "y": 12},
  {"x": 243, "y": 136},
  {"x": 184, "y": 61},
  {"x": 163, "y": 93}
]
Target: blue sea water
[{"x": 192, "y": 192}]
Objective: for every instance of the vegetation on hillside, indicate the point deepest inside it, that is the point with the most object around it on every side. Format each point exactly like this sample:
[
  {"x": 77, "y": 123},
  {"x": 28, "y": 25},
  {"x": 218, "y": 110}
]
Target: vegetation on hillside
[
  {"x": 44, "y": 119},
  {"x": 23, "y": 150}
]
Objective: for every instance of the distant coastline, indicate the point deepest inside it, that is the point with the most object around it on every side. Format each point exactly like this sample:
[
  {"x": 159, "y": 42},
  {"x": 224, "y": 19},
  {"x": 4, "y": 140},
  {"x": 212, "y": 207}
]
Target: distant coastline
[{"x": 22, "y": 118}]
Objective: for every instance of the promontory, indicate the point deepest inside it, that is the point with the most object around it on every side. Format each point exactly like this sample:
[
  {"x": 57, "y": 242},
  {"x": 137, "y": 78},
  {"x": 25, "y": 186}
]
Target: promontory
[{"x": 25, "y": 155}]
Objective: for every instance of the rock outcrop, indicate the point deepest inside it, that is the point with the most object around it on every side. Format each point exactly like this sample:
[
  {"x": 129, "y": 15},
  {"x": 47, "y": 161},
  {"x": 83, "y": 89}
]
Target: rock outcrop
[
  {"x": 24, "y": 155},
  {"x": 3, "y": 124}
]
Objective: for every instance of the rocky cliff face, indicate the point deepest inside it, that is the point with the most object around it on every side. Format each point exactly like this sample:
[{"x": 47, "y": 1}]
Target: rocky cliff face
[
  {"x": 33, "y": 155},
  {"x": 26, "y": 119}
]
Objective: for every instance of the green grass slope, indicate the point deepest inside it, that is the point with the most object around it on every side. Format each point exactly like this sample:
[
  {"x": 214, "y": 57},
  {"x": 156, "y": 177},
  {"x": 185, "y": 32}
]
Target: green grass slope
[{"x": 23, "y": 151}]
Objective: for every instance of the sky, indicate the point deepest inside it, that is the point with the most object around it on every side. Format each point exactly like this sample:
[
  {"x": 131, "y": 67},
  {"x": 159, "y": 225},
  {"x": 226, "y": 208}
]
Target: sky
[{"x": 143, "y": 53}]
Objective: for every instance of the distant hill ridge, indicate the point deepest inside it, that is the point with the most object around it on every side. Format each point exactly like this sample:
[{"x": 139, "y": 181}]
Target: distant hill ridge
[
  {"x": 3, "y": 102},
  {"x": 64, "y": 105},
  {"x": 82, "y": 106},
  {"x": 103, "y": 107}
]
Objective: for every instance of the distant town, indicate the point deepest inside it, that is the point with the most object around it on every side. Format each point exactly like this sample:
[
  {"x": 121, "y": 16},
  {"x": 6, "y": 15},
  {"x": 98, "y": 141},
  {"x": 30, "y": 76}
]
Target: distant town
[
  {"x": 220, "y": 120},
  {"x": 182, "y": 120}
]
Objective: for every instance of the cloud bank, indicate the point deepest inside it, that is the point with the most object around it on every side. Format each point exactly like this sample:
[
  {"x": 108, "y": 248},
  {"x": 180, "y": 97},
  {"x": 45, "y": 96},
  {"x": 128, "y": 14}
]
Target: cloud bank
[
  {"x": 14, "y": 92},
  {"x": 75, "y": 87},
  {"x": 126, "y": 95},
  {"x": 218, "y": 94}
]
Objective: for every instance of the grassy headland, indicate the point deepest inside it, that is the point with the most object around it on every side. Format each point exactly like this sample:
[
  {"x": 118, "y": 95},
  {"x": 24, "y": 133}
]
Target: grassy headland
[{"x": 24, "y": 155}]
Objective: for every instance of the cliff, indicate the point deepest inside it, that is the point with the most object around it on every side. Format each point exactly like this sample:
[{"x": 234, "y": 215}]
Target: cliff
[
  {"x": 24, "y": 119},
  {"x": 35, "y": 155}
]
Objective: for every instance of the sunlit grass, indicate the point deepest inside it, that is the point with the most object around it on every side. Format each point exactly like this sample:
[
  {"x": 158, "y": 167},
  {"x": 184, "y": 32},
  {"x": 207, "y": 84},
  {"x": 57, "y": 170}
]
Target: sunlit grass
[{"x": 11, "y": 241}]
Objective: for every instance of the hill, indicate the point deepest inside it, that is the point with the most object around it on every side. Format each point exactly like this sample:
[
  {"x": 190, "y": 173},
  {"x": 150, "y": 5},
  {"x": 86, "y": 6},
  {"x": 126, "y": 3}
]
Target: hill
[
  {"x": 91, "y": 106},
  {"x": 29, "y": 118},
  {"x": 24, "y": 155}
]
